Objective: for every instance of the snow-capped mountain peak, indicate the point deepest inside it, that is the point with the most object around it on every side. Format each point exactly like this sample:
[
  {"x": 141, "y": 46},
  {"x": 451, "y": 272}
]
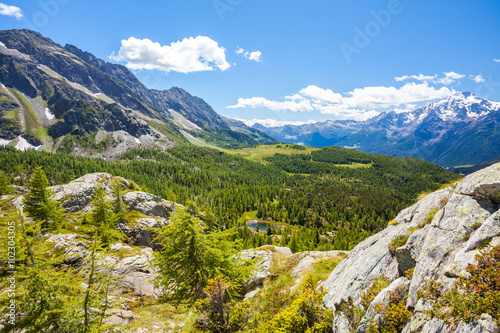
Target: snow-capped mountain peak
[
  {"x": 460, "y": 129},
  {"x": 460, "y": 106}
]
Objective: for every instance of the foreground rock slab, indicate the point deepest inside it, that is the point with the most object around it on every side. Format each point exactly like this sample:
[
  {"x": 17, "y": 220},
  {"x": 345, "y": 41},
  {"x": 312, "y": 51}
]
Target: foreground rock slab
[{"x": 444, "y": 233}]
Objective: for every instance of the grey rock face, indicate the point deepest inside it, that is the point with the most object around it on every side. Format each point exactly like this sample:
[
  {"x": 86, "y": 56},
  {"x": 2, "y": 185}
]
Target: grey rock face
[
  {"x": 149, "y": 204},
  {"x": 485, "y": 324},
  {"x": 448, "y": 227},
  {"x": 341, "y": 324},
  {"x": 144, "y": 235},
  {"x": 484, "y": 184},
  {"x": 78, "y": 194},
  {"x": 263, "y": 258},
  {"x": 136, "y": 274},
  {"x": 75, "y": 248}
]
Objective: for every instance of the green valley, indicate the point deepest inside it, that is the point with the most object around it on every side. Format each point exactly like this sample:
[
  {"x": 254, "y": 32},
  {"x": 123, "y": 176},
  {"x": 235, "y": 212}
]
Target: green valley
[{"x": 322, "y": 197}]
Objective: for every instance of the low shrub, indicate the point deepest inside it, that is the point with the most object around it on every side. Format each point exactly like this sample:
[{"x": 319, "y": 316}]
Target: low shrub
[
  {"x": 470, "y": 297},
  {"x": 377, "y": 286},
  {"x": 396, "y": 242},
  {"x": 394, "y": 316},
  {"x": 306, "y": 314}
]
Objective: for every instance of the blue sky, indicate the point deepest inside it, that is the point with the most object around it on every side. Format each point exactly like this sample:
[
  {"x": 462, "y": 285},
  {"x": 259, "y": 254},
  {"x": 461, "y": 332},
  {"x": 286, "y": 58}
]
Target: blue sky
[{"x": 297, "y": 60}]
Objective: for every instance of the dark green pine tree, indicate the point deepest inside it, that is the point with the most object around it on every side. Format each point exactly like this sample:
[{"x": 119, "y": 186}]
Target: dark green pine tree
[
  {"x": 102, "y": 216},
  {"x": 190, "y": 257},
  {"x": 119, "y": 207},
  {"x": 39, "y": 203}
]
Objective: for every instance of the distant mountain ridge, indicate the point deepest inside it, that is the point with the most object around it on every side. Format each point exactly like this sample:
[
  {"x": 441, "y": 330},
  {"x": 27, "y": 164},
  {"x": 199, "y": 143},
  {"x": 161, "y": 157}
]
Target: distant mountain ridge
[
  {"x": 461, "y": 129},
  {"x": 65, "y": 99}
]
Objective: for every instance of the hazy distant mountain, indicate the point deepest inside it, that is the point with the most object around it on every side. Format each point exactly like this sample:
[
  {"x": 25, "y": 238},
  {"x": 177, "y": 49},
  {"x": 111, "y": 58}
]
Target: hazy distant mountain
[
  {"x": 461, "y": 129},
  {"x": 64, "y": 99}
]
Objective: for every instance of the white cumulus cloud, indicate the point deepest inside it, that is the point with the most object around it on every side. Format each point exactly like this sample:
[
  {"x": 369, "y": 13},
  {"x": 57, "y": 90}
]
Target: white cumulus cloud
[
  {"x": 449, "y": 78},
  {"x": 189, "y": 55},
  {"x": 419, "y": 77},
  {"x": 359, "y": 104},
  {"x": 274, "y": 122},
  {"x": 11, "y": 11},
  {"x": 321, "y": 95},
  {"x": 255, "y": 55},
  {"x": 477, "y": 78},
  {"x": 261, "y": 102},
  {"x": 384, "y": 97}
]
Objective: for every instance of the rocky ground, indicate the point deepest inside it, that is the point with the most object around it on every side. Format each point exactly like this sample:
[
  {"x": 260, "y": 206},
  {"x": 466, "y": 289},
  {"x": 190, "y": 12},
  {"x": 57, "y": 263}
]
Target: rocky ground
[{"x": 446, "y": 229}]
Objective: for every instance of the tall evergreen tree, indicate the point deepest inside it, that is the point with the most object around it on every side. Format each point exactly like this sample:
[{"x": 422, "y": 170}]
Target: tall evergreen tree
[
  {"x": 102, "y": 215},
  {"x": 119, "y": 207},
  {"x": 39, "y": 203},
  {"x": 190, "y": 257}
]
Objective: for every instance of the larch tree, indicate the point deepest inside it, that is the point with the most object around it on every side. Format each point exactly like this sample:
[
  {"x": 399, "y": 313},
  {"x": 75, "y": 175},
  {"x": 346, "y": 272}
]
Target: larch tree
[
  {"x": 189, "y": 257},
  {"x": 39, "y": 203},
  {"x": 102, "y": 215}
]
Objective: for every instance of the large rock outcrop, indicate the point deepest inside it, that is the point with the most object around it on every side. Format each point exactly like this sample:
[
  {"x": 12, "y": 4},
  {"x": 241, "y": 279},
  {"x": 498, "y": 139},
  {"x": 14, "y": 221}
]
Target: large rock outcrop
[
  {"x": 78, "y": 194},
  {"x": 262, "y": 258},
  {"x": 444, "y": 233}
]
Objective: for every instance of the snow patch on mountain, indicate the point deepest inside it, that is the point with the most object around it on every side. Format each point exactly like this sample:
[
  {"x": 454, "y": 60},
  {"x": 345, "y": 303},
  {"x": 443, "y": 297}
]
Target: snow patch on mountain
[
  {"x": 4, "y": 142},
  {"x": 48, "y": 114},
  {"x": 24, "y": 145}
]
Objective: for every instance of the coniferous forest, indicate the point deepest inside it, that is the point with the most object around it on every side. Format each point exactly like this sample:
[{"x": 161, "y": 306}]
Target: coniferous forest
[{"x": 327, "y": 199}]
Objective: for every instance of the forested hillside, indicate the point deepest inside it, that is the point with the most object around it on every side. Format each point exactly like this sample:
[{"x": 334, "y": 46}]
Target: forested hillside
[{"x": 324, "y": 199}]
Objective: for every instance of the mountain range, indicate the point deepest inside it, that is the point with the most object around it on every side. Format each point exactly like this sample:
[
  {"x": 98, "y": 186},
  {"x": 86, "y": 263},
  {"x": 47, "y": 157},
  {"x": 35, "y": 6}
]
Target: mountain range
[
  {"x": 461, "y": 129},
  {"x": 64, "y": 99}
]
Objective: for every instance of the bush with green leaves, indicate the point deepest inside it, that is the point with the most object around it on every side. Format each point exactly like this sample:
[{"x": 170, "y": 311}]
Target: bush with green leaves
[
  {"x": 55, "y": 298},
  {"x": 221, "y": 314},
  {"x": 376, "y": 287},
  {"x": 393, "y": 316},
  {"x": 102, "y": 216},
  {"x": 119, "y": 207},
  {"x": 396, "y": 242},
  {"x": 306, "y": 314}
]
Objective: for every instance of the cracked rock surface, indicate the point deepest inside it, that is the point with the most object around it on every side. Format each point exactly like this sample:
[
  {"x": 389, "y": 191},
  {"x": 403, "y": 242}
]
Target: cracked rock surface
[{"x": 445, "y": 229}]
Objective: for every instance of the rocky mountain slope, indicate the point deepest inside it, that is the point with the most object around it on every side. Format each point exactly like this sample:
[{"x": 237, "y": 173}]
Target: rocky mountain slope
[
  {"x": 461, "y": 129},
  {"x": 439, "y": 236},
  {"x": 62, "y": 98}
]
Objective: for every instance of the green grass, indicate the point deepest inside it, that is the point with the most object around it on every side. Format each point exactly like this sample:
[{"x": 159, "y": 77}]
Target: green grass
[
  {"x": 321, "y": 269},
  {"x": 261, "y": 152},
  {"x": 13, "y": 114},
  {"x": 252, "y": 215},
  {"x": 156, "y": 316},
  {"x": 200, "y": 142},
  {"x": 166, "y": 130},
  {"x": 33, "y": 125},
  {"x": 279, "y": 291},
  {"x": 258, "y": 153}
]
